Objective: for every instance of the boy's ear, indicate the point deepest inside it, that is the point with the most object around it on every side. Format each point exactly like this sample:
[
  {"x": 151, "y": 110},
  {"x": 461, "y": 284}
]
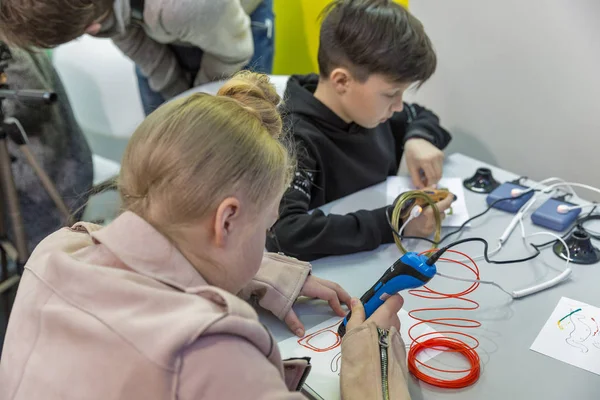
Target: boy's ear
[{"x": 340, "y": 78}]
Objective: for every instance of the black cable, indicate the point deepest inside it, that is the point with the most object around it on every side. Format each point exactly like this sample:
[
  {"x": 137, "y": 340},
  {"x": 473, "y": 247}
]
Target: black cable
[
  {"x": 580, "y": 221},
  {"x": 589, "y": 218},
  {"x": 484, "y": 212},
  {"x": 389, "y": 221},
  {"x": 438, "y": 254},
  {"x": 475, "y": 239}
]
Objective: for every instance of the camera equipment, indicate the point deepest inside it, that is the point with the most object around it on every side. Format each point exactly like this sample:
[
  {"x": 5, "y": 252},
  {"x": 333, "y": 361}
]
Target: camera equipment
[{"x": 9, "y": 201}]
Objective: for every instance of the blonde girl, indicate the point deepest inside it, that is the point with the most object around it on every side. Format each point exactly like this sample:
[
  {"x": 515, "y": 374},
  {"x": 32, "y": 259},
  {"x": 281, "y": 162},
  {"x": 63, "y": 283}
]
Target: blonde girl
[{"x": 151, "y": 306}]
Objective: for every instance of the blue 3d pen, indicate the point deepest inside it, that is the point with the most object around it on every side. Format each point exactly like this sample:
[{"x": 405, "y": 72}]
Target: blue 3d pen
[{"x": 409, "y": 272}]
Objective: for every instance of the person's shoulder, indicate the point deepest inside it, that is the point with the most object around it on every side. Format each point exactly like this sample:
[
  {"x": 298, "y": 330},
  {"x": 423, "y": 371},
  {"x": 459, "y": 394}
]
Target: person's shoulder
[
  {"x": 66, "y": 240},
  {"x": 304, "y": 127},
  {"x": 300, "y": 109},
  {"x": 309, "y": 139}
]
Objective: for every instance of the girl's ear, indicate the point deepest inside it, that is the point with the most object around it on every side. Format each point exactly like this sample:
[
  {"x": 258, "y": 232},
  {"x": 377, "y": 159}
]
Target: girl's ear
[{"x": 226, "y": 221}]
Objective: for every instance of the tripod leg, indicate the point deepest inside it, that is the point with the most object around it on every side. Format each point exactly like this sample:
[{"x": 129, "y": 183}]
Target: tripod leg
[
  {"x": 6, "y": 251},
  {"x": 47, "y": 183},
  {"x": 3, "y": 255},
  {"x": 6, "y": 246},
  {"x": 8, "y": 188}
]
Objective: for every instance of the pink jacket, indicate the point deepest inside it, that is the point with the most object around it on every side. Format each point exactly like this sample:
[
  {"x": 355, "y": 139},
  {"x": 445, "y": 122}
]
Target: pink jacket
[{"x": 119, "y": 313}]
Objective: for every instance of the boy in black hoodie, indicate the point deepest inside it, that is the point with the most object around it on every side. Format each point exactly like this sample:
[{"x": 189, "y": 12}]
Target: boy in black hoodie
[{"x": 351, "y": 128}]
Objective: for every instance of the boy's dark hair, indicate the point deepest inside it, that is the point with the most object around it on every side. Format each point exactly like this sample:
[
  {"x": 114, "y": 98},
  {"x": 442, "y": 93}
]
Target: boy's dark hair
[
  {"x": 48, "y": 23},
  {"x": 375, "y": 37}
]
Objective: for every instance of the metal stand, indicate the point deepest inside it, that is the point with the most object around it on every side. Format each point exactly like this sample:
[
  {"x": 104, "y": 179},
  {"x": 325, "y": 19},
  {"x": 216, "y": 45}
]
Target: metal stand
[{"x": 9, "y": 204}]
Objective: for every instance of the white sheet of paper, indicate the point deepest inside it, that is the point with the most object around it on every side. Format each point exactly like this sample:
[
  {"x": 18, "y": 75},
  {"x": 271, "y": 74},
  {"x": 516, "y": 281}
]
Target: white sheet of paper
[
  {"x": 575, "y": 339},
  {"x": 458, "y": 214},
  {"x": 324, "y": 376}
]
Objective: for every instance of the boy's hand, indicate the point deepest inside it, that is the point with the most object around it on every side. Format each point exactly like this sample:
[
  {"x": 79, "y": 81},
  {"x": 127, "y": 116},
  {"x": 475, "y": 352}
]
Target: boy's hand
[
  {"x": 424, "y": 224},
  {"x": 321, "y": 289},
  {"x": 423, "y": 156}
]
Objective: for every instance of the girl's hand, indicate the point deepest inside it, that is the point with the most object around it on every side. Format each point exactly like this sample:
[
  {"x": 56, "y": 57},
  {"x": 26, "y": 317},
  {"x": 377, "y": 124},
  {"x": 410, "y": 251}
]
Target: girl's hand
[{"x": 320, "y": 289}]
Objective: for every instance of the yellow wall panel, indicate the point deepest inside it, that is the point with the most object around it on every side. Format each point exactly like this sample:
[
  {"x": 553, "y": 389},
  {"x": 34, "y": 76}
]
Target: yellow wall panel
[{"x": 297, "y": 35}]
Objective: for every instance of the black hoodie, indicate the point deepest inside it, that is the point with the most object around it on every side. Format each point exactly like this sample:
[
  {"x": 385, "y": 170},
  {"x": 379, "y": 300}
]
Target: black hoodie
[{"x": 336, "y": 159}]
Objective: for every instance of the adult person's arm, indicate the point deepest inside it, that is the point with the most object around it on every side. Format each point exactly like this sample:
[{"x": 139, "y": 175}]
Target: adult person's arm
[
  {"x": 220, "y": 28},
  {"x": 156, "y": 61}
]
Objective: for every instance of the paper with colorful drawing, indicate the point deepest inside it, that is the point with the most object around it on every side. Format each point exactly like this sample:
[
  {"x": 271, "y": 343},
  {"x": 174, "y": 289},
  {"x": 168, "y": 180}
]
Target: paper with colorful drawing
[
  {"x": 572, "y": 335},
  {"x": 322, "y": 345}
]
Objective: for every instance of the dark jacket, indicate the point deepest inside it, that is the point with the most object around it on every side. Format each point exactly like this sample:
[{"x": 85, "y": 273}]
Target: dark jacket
[{"x": 336, "y": 159}]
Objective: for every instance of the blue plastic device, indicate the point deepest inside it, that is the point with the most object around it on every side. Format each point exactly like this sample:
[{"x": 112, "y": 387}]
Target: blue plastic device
[
  {"x": 505, "y": 191},
  {"x": 409, "y": 272},
  {"x": 548, "y": 216}
]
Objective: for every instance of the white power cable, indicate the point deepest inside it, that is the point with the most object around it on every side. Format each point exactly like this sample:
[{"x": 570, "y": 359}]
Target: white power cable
[
  {"x": 552, "y": 282},
  {"x": 454, "y": 278},
  {"x": 571, "y": 185},
  {"x": 518, "y": 219},
  {"x": 414, "y": 213},
  {"x": 504, "y": 237}
]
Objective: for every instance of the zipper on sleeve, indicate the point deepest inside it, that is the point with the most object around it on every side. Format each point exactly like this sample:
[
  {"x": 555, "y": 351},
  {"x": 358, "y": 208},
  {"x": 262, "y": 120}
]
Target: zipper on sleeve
[{"x": 383, "y": 351}]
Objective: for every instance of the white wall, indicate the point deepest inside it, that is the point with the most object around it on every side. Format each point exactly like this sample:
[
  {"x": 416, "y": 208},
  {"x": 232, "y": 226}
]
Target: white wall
[{"x": 518, "y": 82}]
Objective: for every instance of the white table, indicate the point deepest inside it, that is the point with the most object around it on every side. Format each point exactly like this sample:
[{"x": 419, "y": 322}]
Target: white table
[
  {"x": 510, "y": 370},
  {"x": 279, "y": 81}
]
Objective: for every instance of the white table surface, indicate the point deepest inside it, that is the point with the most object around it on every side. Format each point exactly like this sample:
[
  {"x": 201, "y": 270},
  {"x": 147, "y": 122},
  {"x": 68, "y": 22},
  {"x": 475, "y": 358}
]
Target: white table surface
[{"x": 509, "y": 369}]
